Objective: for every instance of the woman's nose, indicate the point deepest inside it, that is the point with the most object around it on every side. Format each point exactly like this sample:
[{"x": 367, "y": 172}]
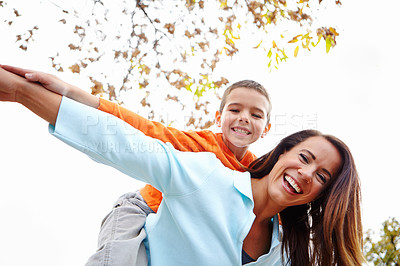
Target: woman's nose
[{"x": 306, "y": 174}]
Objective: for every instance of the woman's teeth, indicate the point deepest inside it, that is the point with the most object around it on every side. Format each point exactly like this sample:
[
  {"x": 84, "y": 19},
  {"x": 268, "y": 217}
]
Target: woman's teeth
[{"x": 293, "y": 183}]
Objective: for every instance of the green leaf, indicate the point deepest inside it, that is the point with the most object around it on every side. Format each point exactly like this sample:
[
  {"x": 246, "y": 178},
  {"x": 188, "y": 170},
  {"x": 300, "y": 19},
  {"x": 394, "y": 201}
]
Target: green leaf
[
  {"x": 328, "y": 44},
  {"x": 306, "y": 36},
  {"x": 188, "y": 87}
]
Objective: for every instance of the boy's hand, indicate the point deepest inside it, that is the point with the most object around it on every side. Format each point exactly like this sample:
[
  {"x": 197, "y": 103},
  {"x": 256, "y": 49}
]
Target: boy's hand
[
  {"x": 39, "y": 100},
  {"x": 54, "y": 84},
  {"x": 48, "y": 81}
]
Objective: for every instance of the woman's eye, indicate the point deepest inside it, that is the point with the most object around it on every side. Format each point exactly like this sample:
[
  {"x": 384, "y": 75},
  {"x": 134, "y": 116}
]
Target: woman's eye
[
  {"x": 322, "y": 178},
  {"x": 303, "y": 158}
]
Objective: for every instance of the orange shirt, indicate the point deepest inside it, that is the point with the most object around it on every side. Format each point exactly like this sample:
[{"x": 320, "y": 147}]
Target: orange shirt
[{"x": 193, "y": 141}]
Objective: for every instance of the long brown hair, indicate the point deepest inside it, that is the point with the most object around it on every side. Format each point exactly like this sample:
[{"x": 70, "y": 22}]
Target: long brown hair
[{"x": 328, "y": 230}]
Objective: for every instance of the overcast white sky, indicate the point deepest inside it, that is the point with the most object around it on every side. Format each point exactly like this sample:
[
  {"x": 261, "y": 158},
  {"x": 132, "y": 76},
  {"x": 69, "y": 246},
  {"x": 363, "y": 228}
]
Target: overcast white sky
[{"x": 52, "y": 198}]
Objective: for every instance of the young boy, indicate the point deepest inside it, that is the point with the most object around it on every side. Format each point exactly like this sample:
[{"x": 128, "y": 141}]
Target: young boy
[{"x": 243, "y": 116}]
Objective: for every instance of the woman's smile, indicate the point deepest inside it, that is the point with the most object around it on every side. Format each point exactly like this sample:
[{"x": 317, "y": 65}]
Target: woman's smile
[
  {"x": 303, "y": 172},
  {"x": 291, "y": 185}
]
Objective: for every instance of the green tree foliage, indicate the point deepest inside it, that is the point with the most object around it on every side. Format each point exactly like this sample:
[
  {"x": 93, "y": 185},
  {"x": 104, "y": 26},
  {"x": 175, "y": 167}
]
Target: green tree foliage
[
  {"x": 386, "y": 250},
  {"x": 174, "y": 43}
]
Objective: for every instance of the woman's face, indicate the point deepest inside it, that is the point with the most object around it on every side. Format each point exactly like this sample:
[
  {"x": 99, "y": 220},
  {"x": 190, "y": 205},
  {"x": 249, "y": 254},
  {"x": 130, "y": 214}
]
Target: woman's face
[{"x": 302, "y": 173}]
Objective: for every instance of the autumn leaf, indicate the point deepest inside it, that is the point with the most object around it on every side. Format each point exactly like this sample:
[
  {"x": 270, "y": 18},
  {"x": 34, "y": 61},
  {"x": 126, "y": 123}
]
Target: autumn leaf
[
  {"x": 307, "y": 35},
  {"x": 17, "y": 14},
  {"x": 111, "y": 92},
  {"x": 258, "y": 45},
  {"x": 135, "y": 53},
  {"x": 333, "y": 31},
  {"x": 97, "y": 88},
  {"x": 73, "y": 47},
  {"x": 173, "y": 98},
  {"x": 75, "y": 68},
  {"x": 208, "y": 124},
  {"x": 295, "y": 38},
  {"x": 170, "y": 27},
  {"x": 224, "y": 4},
  {"x": 328, "y": 44},
  {"x": 191, "y": 121},
  {"x": 144, "y": 102},
  {"x": 143, "y": 84},
  {"x": 203, "y": 46},
  {"x": 201, "y": 4},
  {"x": 296, "y": 51},
  {"x": 221, "y": 82}
]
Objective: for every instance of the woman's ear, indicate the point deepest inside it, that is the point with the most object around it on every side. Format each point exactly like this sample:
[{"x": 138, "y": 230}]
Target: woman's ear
[{"x": 218, "y": 119}]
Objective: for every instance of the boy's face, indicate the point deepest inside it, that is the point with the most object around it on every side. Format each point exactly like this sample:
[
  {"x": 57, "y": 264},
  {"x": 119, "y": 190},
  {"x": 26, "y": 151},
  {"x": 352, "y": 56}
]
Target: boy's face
[{"x": 243, "y": 119}]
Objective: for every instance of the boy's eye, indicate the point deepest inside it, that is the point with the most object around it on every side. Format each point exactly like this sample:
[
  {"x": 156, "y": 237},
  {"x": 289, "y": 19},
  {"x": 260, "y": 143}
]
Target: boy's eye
[
  {"x": 257, "y": 116},
  {"x": 322, "y": 178},
  {"x": 234, "y": 110},
  {"x": 303, "y": 158}
]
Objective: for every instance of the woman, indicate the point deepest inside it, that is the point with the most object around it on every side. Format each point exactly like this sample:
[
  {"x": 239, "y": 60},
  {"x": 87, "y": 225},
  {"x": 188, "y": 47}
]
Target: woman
[
  {"x": 211, "y": 215},
  {"x": 327, "y": 230}
]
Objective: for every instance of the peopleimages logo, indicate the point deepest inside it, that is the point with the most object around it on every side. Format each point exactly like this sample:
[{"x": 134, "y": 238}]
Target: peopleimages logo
[
  {"x": 128, "y": 147},
  {"x": 113, "y": 135},
  {"x": 282, "y": 124},
  {"x": 110, "y": 125},
  {"x": 286, "y": 123}
]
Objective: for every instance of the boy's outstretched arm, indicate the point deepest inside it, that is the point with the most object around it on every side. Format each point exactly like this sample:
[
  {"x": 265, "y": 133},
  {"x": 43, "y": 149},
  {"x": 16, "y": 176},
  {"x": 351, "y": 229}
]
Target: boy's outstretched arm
[
  {"x": 39, "y": 100},
  {"x": 179, "y": 139},
  {"x": 56, "y": 85}
]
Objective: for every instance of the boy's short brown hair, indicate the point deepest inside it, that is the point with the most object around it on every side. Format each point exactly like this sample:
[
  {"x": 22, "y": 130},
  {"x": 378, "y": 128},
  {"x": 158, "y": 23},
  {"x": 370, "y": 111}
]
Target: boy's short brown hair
[{"x": 249, "y": 84}]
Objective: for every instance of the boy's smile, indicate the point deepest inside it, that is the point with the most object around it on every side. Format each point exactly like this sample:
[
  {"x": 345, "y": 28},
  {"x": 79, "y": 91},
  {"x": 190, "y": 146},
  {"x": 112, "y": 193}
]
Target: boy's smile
[
  {"x": 241, "y": 131},
  {"x": 243, "y": 119}
]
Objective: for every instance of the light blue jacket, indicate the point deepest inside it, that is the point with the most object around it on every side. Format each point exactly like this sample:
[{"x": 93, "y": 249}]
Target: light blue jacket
[{"x": 207, "y": 208}]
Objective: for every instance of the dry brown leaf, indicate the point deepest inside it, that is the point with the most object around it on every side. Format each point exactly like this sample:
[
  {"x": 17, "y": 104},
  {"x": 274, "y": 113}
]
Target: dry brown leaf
[
  {"x": 170, "y": 27},
  {"x": 97, "y": 88},
  {"x": 75, "y": 68}
]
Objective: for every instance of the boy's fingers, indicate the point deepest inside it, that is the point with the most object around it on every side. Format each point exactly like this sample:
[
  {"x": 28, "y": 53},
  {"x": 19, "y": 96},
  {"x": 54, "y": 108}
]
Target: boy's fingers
[
  {"x": 37, "y": 77},
  {"x": 16, "y": 70},
  {"x": 31, "y": 77}
]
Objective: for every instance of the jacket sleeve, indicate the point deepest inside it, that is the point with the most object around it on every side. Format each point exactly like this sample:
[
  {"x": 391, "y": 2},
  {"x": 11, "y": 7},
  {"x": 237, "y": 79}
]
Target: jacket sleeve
[
  {"x": 113, "y": 142},
  {"x": 179, "y": 139}
]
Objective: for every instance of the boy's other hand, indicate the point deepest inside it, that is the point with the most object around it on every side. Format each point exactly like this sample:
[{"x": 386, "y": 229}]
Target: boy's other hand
[{"x": 48, "y": 81}]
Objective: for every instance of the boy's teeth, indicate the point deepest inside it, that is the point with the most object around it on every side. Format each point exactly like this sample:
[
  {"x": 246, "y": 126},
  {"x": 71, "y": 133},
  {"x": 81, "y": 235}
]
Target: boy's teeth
[
  {"x": 293, "y": 183},
  {"x": 240, "y": 130}
]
